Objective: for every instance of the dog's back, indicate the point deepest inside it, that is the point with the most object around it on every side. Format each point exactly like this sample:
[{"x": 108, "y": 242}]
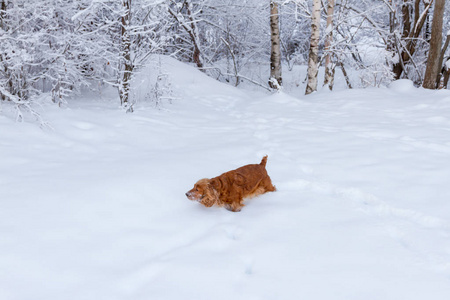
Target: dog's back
[{"x": 248, "y": 178}]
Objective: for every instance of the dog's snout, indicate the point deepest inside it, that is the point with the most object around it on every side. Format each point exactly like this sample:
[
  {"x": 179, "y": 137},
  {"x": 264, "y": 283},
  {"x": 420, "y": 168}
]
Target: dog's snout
[{"x": 187, "y": 194}]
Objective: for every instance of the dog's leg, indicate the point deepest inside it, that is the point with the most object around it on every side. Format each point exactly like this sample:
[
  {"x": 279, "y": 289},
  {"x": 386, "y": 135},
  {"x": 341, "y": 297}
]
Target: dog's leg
[
  {"x": 234, "y": 207},
  {"x": 267, "y": 185}
]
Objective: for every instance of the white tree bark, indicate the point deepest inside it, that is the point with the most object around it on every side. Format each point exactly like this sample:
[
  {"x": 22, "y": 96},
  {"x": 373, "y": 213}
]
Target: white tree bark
[
  {"x": 329, "y": 65},
  {"x": 313, "y": 61},
  {"x": 275, "y": 80}
]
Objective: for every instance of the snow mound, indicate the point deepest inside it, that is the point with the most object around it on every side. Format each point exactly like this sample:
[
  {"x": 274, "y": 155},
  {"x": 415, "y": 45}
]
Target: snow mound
[
  {"x": 185, "y": 80},
  {"x": 402, "y": 85}
]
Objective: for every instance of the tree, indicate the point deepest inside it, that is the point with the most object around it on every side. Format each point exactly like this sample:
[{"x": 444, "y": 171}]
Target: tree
[
  {"x": 295, "y": 24},
  {"x": 313, "y": 60},
  {"x": 185, "y": 15},
  {"x": 229, "y": 36},
  {"x": 329, "y": 66},
  {"x": 39, "y": 51},
  {"x": 444, "y": 70},
  {"x": 275, "y": 80},
  {"x": 433, "y": 66},
  {"x": 126, "y": 65},
  {"x": 121, "y": 35},
  {"x": 405, "y": 44}
]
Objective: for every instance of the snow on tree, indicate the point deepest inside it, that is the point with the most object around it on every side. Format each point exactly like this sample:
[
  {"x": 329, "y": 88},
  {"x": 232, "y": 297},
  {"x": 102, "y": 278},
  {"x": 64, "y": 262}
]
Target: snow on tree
[
  {"x": 39, "y": 52},
  {"x": 126, "y": 33},
  {"x": 125, "y": 64},
  {"x": 407, "y": 36},
  {"x": 186, "y": 14}
]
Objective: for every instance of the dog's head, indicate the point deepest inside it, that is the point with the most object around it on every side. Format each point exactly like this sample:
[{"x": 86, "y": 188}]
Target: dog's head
[{"x": 204, "y": 193}]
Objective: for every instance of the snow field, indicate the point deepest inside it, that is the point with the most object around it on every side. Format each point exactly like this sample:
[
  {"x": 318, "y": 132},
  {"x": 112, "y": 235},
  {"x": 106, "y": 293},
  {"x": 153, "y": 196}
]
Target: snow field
[{"x": 95, "y": 208}]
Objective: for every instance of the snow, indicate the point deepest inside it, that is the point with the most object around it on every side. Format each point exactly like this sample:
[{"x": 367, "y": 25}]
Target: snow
[
  {"x": 95, "y": 208},
  {"x": 402, "y": 85}
]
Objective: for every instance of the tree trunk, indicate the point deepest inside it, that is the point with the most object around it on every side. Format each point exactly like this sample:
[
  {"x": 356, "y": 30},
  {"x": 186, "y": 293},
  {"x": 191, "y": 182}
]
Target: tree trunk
[
  {"x": 441, "y": 61},
  {"x": 406, "y": 15},
  {"x": 446, "y": 77},
  {"x": 329, "y": 66},
  {"x": 313, "y": 61},
  {"x": 195, "y": 36},
  {"x": 233, "y": 57},
  {"x": 191, "y": 29},
  {"x": 410, "y": 40},
  {"x": 275, "y": 80},
  {"x": 125, "y": 53},
  {"x": 344, "y": 72},
  {"x": 3, "y": 26},
  {"x": 433, "y": 68}
]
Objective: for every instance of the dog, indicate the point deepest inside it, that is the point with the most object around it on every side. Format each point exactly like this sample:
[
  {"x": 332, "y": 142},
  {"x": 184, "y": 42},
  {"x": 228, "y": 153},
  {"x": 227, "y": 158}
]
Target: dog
[{"x": 231, "y": 188}]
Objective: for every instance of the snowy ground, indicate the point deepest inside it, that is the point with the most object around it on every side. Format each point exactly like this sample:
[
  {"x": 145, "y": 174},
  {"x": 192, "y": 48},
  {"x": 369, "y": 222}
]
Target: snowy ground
[{"x": 95, "y": 208}]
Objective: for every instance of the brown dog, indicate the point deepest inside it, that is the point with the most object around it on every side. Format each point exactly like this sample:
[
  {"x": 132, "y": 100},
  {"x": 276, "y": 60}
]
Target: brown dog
[{"x": 230, "y": 188}]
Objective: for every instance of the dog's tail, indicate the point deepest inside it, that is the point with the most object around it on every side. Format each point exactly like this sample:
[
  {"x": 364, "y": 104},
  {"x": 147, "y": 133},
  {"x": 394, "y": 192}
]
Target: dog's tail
[{"x": 264, "y": 161}]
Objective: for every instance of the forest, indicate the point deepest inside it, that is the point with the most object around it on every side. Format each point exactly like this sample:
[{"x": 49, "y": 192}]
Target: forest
[{"x": 57, "y": 48}]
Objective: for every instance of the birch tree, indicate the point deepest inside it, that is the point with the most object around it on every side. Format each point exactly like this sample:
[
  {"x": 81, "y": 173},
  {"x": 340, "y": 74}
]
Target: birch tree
[
  {"x": 329, "y": 65},
  {"x": 275, "y": 80},
  {"x": 313, "y": 60}
]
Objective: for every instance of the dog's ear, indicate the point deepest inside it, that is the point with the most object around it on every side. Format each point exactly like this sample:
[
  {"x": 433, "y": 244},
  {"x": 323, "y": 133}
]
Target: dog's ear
[
  {"x": 208, "y": 201},
  {"x": 210, "y": 196}
]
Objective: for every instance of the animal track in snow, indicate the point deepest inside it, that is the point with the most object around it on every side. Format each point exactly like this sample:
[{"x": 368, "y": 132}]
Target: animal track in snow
[
  {"x": 367, "y": 202},
  {"x": 406, "y": 226},
  {"x": 233, "y": 232}
]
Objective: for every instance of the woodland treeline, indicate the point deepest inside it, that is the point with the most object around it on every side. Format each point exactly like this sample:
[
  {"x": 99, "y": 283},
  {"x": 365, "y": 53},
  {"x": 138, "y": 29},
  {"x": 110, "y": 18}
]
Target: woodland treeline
[{"x": 58, "y": 47}]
